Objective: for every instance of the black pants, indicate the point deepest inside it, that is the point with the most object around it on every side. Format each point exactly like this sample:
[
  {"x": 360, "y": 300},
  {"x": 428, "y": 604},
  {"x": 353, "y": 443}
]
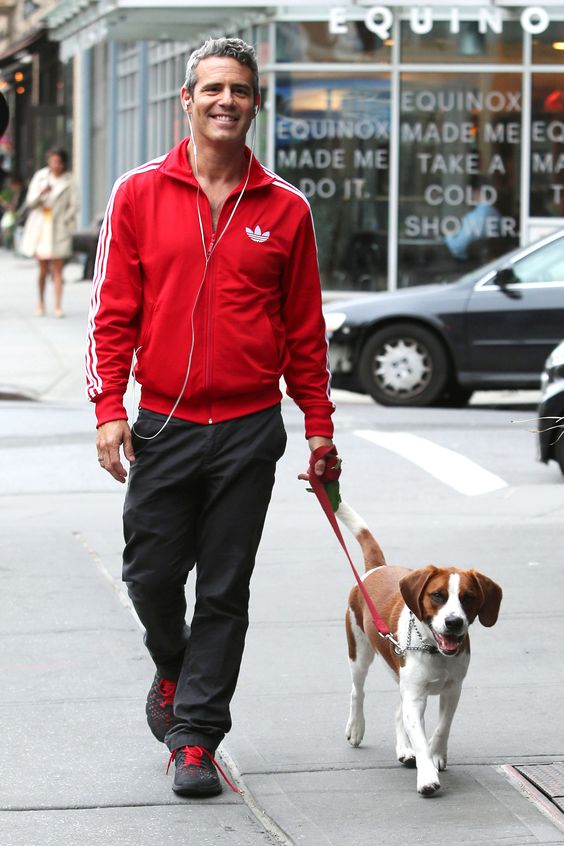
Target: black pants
[{"x": 198, "y": 495}]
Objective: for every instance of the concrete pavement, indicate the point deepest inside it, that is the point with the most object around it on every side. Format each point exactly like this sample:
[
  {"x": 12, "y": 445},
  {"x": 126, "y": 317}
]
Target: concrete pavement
[{"x": 79, "y": 765}]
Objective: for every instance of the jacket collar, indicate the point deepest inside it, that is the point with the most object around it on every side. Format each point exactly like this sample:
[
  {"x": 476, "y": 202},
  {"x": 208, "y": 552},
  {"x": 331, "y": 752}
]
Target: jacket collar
[{"x": 177, "y": 165}]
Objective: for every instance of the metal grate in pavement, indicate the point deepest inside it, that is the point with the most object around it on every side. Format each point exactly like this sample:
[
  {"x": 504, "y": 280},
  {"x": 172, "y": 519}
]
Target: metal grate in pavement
[{"x": 548, "y": 778}]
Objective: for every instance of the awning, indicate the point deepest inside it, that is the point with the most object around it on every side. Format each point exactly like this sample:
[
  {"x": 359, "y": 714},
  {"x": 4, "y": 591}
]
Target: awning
[
  {"x": 23, "y": 45},
  {"x": 79, "y": 24}
]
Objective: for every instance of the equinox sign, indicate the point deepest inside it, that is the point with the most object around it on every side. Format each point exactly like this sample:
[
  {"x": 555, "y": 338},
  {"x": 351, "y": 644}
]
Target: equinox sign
[{"x": 379, "y": 20}]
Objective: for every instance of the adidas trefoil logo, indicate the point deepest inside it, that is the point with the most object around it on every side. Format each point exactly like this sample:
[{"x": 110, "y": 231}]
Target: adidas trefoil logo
[{"x": 258, "y": 236}]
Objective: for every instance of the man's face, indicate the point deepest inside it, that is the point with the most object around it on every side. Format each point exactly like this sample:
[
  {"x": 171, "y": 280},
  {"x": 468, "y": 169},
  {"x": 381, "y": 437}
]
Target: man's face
[{"x": 223, "y": 105}]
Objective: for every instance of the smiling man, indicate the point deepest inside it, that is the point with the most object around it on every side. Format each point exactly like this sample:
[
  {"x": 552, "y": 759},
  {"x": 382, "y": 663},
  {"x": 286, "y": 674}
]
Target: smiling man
[{"x": 207, "y": 276}]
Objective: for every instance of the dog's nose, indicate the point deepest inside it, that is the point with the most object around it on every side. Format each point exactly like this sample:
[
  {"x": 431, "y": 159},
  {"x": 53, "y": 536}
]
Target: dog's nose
[{"x": 453, "y": 623}]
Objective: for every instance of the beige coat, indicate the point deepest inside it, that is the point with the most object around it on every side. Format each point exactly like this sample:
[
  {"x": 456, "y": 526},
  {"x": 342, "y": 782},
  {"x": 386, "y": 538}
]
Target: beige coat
[{"x": 50, "y": 235}]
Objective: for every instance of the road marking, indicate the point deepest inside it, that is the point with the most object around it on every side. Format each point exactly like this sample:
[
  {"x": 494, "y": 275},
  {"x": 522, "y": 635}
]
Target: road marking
[{"x": 462, "y": 474}]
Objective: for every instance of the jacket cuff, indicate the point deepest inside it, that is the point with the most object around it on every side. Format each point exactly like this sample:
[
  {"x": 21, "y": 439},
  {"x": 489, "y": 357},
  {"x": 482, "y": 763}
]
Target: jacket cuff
[
  {"x": 109, "y": 406},
  {"x": 318, "y": 422}
]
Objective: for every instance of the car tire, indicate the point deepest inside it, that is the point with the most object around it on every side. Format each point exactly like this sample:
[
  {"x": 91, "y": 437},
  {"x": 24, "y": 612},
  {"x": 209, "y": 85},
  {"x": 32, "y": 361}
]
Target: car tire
[
  {"x": 455, "y": 396},
  {"x": 403, "y": 364},
  {"x": 559, "y": 453}
]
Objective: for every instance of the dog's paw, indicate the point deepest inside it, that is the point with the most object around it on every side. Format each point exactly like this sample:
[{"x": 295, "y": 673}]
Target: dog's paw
[
  {"x": 440, "y": 761},
  {"x": 427, "y": 780},
  {"x": 405, "y": 755},
  {"x": 355, "y": 731},
  {"x": 439, "y": 756}
]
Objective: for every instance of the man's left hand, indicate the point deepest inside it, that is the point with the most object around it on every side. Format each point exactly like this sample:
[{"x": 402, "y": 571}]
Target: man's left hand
[{"x": 314, "y": 443}]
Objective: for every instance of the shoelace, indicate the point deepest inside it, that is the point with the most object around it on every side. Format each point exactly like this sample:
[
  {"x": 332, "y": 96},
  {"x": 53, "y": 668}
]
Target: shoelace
[
  {"x": 193, "y": 757},
  {"x": 168, "y": 689}
]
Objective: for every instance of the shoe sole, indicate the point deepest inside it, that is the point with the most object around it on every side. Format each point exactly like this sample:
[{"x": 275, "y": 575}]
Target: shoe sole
[{"x": 196, "y": 792}]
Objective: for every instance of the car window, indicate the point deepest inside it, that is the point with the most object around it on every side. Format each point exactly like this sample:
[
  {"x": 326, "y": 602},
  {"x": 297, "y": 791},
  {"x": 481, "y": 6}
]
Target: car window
[{"x": 545, "y": 264}]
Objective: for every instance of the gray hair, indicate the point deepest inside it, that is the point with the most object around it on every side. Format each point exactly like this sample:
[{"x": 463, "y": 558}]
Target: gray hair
[{"x": 234, "y": 48}]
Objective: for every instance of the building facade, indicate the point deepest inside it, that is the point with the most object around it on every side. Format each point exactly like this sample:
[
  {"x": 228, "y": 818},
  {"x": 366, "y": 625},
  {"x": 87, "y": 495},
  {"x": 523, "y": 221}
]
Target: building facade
[{"x": 428, "y": 139}]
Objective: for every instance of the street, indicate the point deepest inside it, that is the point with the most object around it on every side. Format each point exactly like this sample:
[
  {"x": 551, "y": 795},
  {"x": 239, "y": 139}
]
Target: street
[{"x": 79, "y": 763}]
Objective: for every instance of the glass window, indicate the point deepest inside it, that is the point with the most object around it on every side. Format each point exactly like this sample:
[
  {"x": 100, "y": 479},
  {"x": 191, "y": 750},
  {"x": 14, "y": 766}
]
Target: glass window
[
  {"x": 544, "y": 265},
  {"x": 460, "y": 139},
  {"x": 547, "y": 146},
  {"x": 468, "y": 45},
  {"x": 332, "y": 142},
  {"x": 312, "y": 42},
  {"x": 548, "y": 46}
]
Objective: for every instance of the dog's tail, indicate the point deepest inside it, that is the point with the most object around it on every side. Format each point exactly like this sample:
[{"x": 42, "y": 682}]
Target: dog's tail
[{"x": 373, "y": 555}]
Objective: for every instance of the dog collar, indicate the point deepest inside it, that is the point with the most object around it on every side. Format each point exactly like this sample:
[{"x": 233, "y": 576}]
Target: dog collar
[{"x": 423, "y": 646}]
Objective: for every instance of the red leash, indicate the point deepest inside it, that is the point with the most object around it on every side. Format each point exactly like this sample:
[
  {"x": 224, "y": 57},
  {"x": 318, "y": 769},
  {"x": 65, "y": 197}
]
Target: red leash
[{"x": 332, "y": 474}]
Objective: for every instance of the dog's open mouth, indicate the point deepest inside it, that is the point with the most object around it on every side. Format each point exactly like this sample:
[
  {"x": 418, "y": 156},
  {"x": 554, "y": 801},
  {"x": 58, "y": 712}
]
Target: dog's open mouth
[{"x": 448, "y": 644}]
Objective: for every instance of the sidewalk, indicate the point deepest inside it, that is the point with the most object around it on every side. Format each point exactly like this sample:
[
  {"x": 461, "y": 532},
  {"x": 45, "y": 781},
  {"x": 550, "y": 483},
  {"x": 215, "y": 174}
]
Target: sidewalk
[{"x": 79, "y": 765}]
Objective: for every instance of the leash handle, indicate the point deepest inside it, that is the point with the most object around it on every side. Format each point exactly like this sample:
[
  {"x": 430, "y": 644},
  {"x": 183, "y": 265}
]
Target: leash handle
[{"x": 318, "y": 487}]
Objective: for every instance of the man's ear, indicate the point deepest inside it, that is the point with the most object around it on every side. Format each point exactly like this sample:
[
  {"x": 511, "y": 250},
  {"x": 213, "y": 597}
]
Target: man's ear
[{"x": 185, "y": 100}]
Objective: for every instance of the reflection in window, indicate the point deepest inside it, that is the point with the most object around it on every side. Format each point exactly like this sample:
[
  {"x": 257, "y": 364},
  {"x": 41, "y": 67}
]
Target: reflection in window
[
  {"x": 459, "y": 173},
  {"x": 468, "y": 45},
  {"x": 547, "y": 146},
  {"x": 548, "y": 46},
  {"x": 332, "y": 142},
  {"x": 312, "y": 42},
  {"x": 545, "y": 265}
]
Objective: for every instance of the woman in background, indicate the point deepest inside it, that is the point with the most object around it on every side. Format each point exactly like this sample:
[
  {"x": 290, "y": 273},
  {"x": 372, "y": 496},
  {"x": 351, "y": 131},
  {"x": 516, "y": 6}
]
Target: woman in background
[{"x": 52, "y": 203}]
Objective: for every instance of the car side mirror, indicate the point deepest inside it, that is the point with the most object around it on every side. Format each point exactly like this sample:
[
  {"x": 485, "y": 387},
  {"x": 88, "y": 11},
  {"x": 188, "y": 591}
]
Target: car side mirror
[{"x": 504, "y": 277}]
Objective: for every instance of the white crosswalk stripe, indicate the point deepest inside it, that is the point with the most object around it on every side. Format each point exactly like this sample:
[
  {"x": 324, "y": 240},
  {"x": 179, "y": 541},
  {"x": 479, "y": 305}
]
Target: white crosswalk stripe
[{"x": 450, "y": 467}]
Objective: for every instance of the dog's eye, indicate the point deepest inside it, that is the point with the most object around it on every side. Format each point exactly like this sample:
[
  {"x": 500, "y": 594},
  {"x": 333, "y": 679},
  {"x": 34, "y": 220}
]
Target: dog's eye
[
  {"x": 467, "y": 598},
  {"x": 438, "y": 597}
]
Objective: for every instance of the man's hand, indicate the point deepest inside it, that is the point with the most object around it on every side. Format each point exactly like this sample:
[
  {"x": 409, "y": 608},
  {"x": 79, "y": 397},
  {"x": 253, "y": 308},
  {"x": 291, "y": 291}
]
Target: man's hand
[
  {"x": 314, "y": 443},
  {"x": 109, "y": 438}
]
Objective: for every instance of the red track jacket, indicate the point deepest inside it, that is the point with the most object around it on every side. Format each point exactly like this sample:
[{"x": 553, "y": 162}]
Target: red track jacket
[{"x": 252, "y": 317}]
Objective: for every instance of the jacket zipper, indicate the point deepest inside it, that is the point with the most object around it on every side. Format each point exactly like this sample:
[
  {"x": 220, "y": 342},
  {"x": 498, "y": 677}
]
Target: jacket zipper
[{"x": 209, "y": 334}]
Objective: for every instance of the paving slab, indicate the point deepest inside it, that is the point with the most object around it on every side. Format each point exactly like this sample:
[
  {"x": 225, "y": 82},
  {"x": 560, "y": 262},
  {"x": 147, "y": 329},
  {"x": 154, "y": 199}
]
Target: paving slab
[
  {"x": 197, "y": 823},
  {"x": 375, "y": 808}
]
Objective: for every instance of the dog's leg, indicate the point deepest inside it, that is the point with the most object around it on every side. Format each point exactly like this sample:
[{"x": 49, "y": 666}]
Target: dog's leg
[
  {"x": 447, "y": 708},
  {"x": 413, "y": 708},
  {"x": 404, "y": 752},
  {"x": 361, "y": 656}
]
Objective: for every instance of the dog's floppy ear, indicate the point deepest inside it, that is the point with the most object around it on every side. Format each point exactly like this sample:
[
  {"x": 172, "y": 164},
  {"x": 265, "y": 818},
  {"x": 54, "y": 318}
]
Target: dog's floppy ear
[
  {"x": 491, "y": 599},
  {"x": 412, "y": 587}
]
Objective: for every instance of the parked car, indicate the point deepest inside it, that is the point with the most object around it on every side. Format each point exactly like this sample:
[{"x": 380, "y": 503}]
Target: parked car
[
  {"x": 551, "y": 409},
  {"x": 491, "y": 329}
]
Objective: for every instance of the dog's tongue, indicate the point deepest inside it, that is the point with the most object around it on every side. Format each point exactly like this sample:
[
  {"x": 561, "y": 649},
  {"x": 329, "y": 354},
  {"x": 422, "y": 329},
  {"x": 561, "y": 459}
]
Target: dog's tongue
[{"x": 447, "y": 643}]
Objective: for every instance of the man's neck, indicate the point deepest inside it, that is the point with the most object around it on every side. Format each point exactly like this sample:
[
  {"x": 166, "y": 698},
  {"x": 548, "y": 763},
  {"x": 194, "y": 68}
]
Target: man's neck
[{"x": 218, "y": 166}]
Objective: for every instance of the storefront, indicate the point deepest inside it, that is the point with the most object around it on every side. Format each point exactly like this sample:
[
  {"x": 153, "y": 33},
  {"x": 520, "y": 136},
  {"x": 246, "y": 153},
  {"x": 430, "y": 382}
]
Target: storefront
[{"x": 428, "y": 140}]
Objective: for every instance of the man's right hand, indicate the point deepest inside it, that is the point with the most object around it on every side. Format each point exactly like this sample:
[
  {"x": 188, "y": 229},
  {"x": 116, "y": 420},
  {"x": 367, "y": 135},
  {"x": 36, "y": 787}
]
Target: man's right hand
[{"x": 109, "y": 438}]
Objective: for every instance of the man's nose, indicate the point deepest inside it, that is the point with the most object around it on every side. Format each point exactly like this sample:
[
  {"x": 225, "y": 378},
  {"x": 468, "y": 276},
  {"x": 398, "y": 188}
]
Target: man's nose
[{"x": 227, "y": 98}]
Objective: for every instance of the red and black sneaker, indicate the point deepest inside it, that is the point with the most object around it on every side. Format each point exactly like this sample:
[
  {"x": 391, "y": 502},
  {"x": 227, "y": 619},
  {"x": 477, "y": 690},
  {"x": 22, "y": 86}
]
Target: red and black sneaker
[
  {"x": 160, "y": 706},
  {"x": 195, "y": 774}
]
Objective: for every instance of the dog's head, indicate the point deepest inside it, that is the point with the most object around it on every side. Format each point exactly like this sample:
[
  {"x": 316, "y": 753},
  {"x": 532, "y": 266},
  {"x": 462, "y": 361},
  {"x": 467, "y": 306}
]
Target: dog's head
[{"x": 448, "y": 600}]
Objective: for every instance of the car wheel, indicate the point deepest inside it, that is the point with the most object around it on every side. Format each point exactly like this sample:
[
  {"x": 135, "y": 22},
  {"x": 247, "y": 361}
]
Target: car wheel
[
  {"x": 559, "y": 453},
  {"x": 403, "y": 364}
]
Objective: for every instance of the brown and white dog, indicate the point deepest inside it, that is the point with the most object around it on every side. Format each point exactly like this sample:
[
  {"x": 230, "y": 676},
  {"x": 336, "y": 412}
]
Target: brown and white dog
[{"x": 428, "y": 612}]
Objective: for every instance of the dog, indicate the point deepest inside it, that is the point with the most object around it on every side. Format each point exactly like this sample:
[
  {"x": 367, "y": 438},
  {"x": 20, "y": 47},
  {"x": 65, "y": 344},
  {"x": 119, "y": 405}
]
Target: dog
[{"x": 428, "y": 612}]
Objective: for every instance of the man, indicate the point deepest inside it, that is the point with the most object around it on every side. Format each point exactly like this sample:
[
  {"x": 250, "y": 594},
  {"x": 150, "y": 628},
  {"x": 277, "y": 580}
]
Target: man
[
  {"x": 484, "y": 221},
  {"x": 207, "y": 269}
]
